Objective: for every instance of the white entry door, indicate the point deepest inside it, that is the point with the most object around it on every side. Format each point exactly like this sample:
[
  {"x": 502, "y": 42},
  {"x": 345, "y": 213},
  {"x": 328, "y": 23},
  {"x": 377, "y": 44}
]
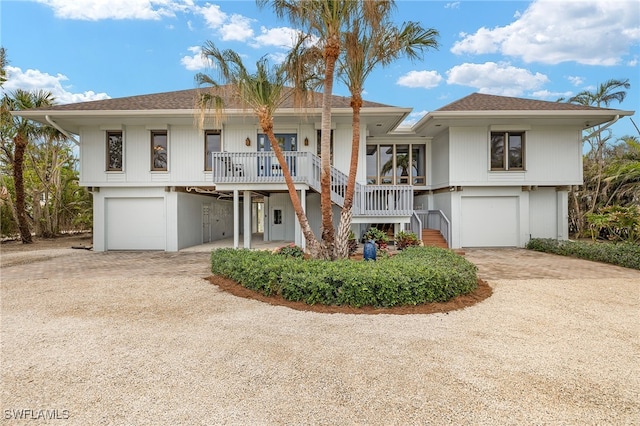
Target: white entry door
[{"x": 276, "y": 223}]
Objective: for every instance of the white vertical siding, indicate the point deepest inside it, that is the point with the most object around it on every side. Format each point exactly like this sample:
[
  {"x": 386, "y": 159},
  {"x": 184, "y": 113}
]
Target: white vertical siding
[
  {"x": 438, "y": 162},
  {"x": 543, "y": 217},
  {"x": 469, "y": 156}
]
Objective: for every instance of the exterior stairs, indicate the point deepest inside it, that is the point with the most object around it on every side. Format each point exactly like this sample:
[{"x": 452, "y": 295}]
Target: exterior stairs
[{"x": 432, "y": 237}]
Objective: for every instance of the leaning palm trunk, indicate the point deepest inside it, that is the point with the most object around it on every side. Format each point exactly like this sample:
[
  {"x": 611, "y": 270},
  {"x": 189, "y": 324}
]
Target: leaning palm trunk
[
  {"x": 342, "y": 239},
  {"x": 18, "y": 179},
  {"x": 312, "y": 243}
]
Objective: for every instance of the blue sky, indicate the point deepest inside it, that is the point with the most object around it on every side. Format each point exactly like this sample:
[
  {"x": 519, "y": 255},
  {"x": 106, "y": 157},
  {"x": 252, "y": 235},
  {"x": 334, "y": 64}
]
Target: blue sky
[{"x": 95, "y": 49}]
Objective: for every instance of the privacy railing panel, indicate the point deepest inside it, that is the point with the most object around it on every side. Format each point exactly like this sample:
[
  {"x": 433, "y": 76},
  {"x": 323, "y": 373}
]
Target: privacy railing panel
[{"x": 263, "y": 167}]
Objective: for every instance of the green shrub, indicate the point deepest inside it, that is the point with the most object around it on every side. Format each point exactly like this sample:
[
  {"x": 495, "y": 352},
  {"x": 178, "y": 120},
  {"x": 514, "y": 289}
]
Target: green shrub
[
  {"x": 625, "y": 254},
  {"x": 417, "y": 275},
  {"x": 290, "y": 250},
  {"x": 406, "y": 239}
]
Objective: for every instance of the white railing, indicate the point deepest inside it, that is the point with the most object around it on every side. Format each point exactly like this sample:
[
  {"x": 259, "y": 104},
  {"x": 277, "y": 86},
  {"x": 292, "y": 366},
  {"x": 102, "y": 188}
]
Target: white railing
[
  {"x": 263, "y": 167},
  {"x": 436, "y": 219}
]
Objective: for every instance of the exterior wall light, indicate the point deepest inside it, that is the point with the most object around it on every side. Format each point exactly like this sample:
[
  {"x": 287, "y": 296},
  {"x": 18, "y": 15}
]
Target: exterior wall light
[{"x": 247, "y": 141}]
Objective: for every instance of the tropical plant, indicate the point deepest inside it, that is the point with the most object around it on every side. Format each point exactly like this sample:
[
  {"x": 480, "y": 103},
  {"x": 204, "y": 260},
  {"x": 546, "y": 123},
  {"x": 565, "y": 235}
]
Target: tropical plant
[
  {"x": 598, "y": 140},
  {"x": 365, "y": 47},
  {"x": 19, "y": 132},
  {"x": 263, "y": 91},
  {"x": 406, "y": 239},
  {"x": 378, "y": 236},
  {"x": 326, "y": 20}
]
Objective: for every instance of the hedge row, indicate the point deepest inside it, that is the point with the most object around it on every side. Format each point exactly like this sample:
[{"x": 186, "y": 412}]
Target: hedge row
[
  {"x": 625, "y": 254},
  {"x": 416, "y": 275}
]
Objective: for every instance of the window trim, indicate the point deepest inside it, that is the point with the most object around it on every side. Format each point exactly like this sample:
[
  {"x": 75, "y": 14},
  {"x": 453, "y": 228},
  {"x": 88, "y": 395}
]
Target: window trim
[
  {"x": 207, "y": 167},
  {"x": 152, "y": 133},
  {"x": 108, "y": 134},
  {"x": 505, "y": 155}
]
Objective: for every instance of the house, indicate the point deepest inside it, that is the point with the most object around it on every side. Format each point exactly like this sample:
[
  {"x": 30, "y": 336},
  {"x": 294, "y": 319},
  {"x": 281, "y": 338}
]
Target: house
[{"x": 485, "y": 171}]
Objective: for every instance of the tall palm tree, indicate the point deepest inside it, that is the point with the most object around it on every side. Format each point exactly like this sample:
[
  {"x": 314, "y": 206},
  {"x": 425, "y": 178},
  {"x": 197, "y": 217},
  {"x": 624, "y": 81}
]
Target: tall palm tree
[
  {"x": 3, "y": 65},
  {"x": 366, "y": 47},
  {"x": 263, "y": 92},
  {"x": 22, "y": 131},
  {"x": 326, "y": 20},
  {"x": 603, "y": 96}
]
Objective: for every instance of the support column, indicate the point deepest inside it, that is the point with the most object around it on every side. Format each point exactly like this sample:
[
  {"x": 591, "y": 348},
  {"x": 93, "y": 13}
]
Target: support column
[
  {"x": 246, "y": 198},
  {"x": 562, "y": 201},
  {"x": 236, "y": 219},
  {"x": 299, "y": 239}
]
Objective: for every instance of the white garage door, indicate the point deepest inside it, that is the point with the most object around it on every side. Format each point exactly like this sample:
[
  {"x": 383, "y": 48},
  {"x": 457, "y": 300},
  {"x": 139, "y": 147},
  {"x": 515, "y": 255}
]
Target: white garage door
[
  {"x": 135, "y": 224},
  {"x": 489, "y": 222}
]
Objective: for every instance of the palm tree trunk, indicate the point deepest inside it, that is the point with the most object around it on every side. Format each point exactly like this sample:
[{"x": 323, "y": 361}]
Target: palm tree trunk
[
  {"x": 332, "y": 50},
  {"x": 342, "y": 240},
  {"x": 312, "y": 243},
  {"x": 18, "y": 181}
]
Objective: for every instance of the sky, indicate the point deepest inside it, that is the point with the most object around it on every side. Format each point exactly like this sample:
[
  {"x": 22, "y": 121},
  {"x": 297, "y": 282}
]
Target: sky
[{"x": 83, "y": 50}]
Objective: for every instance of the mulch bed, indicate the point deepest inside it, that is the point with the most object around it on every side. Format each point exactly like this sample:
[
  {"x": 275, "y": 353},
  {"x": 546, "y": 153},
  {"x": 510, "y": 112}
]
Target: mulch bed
[{"x": 482, "y": 292}]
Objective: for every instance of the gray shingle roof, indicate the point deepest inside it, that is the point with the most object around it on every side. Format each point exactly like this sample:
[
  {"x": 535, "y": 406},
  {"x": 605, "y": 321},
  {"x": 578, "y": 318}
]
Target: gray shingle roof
[
  {"x": 483, "y": 102},
  {"x": 186, "y": 100}
]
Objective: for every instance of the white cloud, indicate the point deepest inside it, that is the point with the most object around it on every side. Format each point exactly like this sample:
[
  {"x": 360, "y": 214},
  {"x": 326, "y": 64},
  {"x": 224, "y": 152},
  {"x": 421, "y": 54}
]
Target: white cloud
[
  {"x": 452, "y": 5},
  {"x": 590, "y": 32},
  {"x": 94, "y": 10},
  {"x": 36, "y": 80},
  {"x": 237, "y": 28},
  {"x": 283, "y": 37},
  {"x": 553, "y": 96},
  {"x": 575, "y": 80},
  {"x": 213, "y": 16},
  {"x": 195, "y": 62},
  {"x": 496, "y": 78},
  {"x": 422, "y": 79}
]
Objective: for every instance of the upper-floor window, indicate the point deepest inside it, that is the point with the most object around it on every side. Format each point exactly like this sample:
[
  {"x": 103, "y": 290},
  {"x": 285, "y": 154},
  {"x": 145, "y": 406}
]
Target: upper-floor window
[
  {"x": 212, "y": 143},
  {"x": 114, "y": 151},
  {"x": 507, "y": 151},
  {"x": 402, "y": 164},
  {"x": 159, "y": 150}
]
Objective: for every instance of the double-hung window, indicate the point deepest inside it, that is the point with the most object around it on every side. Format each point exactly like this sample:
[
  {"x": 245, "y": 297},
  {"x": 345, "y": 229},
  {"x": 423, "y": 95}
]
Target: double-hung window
[
  {"x": 212, "y": 143},
  {"x": 507, "y": 151},
  {"x": 114, "y": 151},
  {"x": 159, "y": 150}
]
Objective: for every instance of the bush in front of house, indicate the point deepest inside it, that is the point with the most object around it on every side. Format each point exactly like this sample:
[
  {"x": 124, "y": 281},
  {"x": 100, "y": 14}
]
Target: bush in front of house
[
  {"x": 416, "y": 275},
  {"x": 625, "y": 254}
]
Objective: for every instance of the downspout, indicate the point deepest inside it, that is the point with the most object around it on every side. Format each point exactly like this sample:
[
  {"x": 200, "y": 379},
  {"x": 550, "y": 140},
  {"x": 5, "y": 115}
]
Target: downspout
[
  {"x": 599, "y": 130},
  {"x": 60, "y": 129}
]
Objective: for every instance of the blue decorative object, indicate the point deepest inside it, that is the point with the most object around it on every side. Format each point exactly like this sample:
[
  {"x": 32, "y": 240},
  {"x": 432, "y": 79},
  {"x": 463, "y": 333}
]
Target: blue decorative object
[{"x": 369, "y": 250}]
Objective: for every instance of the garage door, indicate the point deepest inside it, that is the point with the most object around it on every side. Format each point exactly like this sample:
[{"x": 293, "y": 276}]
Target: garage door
[
  {"x": 489, "y": 222},
  {"x": 135, "y": 224}
]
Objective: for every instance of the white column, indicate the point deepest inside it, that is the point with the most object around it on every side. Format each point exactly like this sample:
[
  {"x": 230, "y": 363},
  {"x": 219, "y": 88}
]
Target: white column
[
  {"x": 562, "y": 200},
  {"x": 300, "y": 240},
  {"x": 236, "y": 218},
  {"x": 247, "y": 218}
]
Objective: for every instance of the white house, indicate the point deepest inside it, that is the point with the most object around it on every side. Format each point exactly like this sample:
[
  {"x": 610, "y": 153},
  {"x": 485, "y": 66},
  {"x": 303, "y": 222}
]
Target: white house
[{"x": 486, "y": 171}]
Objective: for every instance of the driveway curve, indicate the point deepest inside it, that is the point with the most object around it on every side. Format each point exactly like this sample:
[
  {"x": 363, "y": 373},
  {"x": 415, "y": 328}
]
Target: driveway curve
[{"x": 141, "y": 338}]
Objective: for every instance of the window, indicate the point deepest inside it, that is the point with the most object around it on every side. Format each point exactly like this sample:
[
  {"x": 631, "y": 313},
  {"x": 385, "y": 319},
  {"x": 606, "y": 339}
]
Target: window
[
  {"x": 159, "y": 150},
  {"x": 507, "y": 150},
  {"x": 114, "y": 151},
  {"x": 212, "y": 143},
  {"x": 396, "y": 164}
]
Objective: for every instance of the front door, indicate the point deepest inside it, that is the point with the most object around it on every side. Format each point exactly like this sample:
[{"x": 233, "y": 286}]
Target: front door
[
  {"x": 277, "y": 223},
  {"x": 206, "y": 223},
  {"x": 269, "y": 166}
]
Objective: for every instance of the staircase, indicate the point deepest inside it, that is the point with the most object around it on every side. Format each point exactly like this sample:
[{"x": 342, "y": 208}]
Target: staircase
[{"x": 432, "y": 237}]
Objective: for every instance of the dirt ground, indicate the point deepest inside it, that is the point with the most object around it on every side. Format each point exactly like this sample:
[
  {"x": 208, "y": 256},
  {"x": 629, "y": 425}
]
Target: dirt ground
[{"x": 63, "y": 241}]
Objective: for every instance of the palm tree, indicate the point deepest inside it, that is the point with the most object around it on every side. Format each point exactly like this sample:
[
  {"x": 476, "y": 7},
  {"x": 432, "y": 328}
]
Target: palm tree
[
  {"x": 3, "y": 64},
  {"x": 263, "y": 92},
  {"x": 22, "y": 131},
  {"x": 326, "y": 20},
  {"x": 603, "y": 96},
  {"x": 365, "y": 47}
]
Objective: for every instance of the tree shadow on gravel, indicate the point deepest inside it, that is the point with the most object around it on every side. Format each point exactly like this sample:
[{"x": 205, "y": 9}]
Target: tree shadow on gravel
[{"x": 482, "y": 292}]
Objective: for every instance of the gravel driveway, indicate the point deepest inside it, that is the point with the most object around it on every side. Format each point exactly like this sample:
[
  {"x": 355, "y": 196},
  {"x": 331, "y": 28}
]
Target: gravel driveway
[{"x": 142, "y": 339}]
